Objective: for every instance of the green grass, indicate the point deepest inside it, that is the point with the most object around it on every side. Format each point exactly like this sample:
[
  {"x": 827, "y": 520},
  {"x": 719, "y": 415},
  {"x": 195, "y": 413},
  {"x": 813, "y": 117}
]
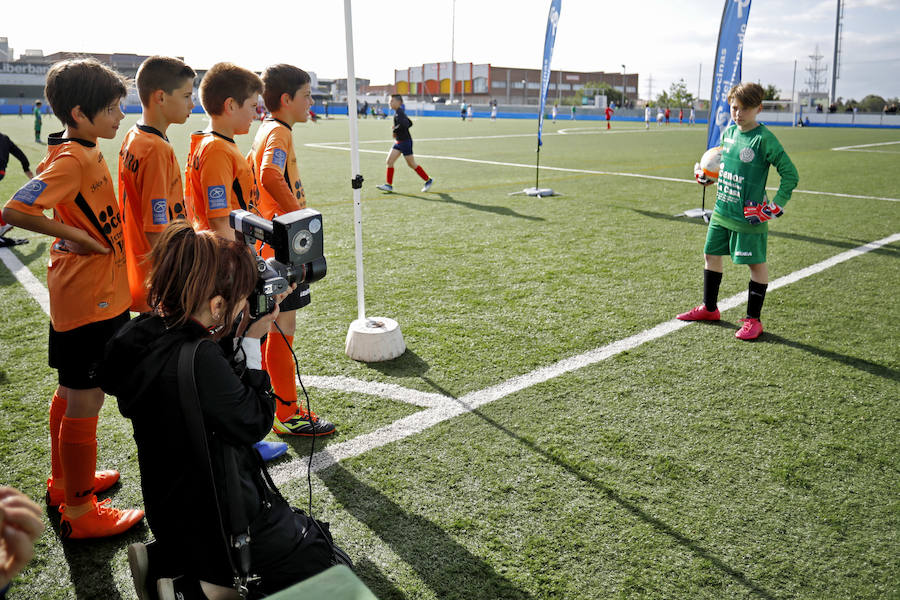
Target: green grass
[{"x": 693, "y": 466}]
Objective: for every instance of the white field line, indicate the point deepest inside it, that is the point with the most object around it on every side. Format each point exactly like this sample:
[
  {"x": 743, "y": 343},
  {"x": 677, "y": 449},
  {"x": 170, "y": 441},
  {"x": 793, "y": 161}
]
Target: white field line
[
  {"x": 571, "y": 131},
  {"x": 344, "y": 147},
  {"x": 452, "y": 407},
  {"x": 857, "y": 148},
  {"x": 374, "y": 388},
  {"x": 31, "y": 284}
]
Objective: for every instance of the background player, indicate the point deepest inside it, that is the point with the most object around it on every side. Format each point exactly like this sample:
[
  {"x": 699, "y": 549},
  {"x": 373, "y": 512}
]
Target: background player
[
  {"x": 404, "y": 145},
  {"x": 738, "y": 223},
  {"x": 150, "y": 189},
  {"x": 7, "y": 147},
  {"x": 87, "y": 283},
  {"x": 38, "y": 122},
  {"x": 218, "y": 179},
  {"x": 287, "y": 94}
]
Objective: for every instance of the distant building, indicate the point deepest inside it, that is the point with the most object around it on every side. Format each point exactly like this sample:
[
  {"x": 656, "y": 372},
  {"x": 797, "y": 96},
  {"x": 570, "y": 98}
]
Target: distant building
[
  {"x": 481, "y": 83},
  {"x": 6, "y": 53}
]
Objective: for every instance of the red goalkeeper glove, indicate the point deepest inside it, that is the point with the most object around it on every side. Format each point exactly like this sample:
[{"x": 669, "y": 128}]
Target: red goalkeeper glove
[{"x": 760, "y": 213}]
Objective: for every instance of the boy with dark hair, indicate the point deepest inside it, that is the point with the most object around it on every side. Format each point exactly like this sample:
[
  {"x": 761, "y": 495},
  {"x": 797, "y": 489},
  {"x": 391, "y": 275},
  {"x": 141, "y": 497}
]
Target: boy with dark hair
[
  {"x": 287, "y": 94},
  {"x": 738, "y": 223},
  {"x": 150, "y": 189},
  {"x": 87, "y": 282},
  {"x": 218, "y": 177},
  {"x": 403, "y": 145}
]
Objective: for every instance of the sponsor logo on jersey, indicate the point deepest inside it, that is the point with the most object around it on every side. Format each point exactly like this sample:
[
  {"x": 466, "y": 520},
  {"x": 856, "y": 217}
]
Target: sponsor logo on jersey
[
  {"x": 216, "y": 197},
  {"x": 29, "y": 192},
  {"x": 747, "y": 155},
  {"x": 279, "y": 157},
  {"x": 158, "y": 206}
]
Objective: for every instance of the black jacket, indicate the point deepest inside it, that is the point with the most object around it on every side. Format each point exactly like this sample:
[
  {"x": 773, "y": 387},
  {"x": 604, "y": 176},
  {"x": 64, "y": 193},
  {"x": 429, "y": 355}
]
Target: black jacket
[
  {"x": 141, "y": 370},
  {"x": 401, "y": 125},
  {"x": 7, "y": 147}
]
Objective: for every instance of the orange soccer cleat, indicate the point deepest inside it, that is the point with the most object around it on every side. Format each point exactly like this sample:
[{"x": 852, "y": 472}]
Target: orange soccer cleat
[
  {"x": 101, "y": 520},
  {"x": 103, "y": 480}
]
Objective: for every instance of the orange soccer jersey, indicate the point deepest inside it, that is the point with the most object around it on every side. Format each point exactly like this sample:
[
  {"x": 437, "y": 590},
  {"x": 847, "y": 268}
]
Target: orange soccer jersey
[
  {"x": 150, "y": 197},
  {"x": 275, "y": 166},
  {"x": 75, "y": 182},
  {"x": 217, "y": 179}
]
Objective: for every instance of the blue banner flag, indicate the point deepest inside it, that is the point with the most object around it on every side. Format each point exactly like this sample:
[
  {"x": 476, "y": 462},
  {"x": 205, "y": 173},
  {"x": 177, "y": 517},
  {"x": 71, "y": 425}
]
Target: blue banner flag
[
  {"x": 549, "y": 40},
  {"x": 727, "y": 73}
]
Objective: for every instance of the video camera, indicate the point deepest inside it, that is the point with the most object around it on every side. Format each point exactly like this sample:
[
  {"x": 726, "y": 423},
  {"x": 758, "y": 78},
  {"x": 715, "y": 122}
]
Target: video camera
[{"x": 298, "y": 242}]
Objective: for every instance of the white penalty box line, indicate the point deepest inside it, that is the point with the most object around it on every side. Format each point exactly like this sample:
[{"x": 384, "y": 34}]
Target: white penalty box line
[
  {"x": 441, "y": 408},
  {"x": 342, "y": 146}
]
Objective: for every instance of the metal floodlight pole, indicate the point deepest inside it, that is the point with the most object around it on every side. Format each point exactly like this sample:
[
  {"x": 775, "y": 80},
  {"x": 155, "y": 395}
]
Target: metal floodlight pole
[
  {"x": 793, "y": 101},
  {"x": 623, "y": 85},
  {"x": 354, "y": 161},
  {"x": 453, "y": 52}
]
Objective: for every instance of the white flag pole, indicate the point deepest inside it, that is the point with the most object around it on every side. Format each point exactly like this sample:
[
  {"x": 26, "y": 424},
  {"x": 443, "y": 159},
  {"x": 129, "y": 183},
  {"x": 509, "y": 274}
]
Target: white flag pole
[
  {"x": 372, "y": 339},
  {"x": 354, "y": 162}
]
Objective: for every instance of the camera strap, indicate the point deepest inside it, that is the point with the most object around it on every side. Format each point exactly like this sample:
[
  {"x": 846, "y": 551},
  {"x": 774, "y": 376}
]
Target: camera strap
[{"x": 237, "y": 545}]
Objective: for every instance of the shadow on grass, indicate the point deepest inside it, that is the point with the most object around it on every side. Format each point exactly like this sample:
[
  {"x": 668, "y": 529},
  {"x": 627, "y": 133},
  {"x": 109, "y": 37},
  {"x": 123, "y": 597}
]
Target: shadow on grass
[
  {"x": 447, "y": 198},
  {"x": 408, "y": 364},
  {"x": 35, "y": 251},
  {"x": 447, "y": 568},
  {"x": 662, "y": 527},
  {"x": 90, "y": 560},
  {"x": 848, "y": 245},
  {"x": 368, "y": 571},
  {"x": 851, "y": 361}
]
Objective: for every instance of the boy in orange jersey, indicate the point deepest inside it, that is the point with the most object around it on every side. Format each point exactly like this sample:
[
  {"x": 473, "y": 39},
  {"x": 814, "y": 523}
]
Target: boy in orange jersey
[
  {"x": 150, "y": 190},
  {"x": 87, "y": 281},
  {"x": 287, "y": 95},
  {"x": 218, "y": 177}
]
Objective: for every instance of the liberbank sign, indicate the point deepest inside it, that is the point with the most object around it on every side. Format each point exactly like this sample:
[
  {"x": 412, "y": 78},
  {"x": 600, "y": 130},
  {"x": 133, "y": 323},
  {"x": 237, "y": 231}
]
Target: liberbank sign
[{"x": 15, "y": 73}]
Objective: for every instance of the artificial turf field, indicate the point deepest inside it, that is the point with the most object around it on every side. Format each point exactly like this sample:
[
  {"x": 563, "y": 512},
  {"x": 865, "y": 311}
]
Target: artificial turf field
[{"x": 680, "y": 463}]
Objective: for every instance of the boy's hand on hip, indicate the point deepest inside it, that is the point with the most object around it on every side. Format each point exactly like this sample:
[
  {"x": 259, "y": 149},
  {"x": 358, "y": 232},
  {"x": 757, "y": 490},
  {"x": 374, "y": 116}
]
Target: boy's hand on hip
[{"x": 87, "y": 245}]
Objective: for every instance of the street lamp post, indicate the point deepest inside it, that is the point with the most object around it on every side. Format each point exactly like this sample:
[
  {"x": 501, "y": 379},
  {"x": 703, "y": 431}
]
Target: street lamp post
[
  {"x": 623, "y": 86},
  {"x": 524, "y": 91}
]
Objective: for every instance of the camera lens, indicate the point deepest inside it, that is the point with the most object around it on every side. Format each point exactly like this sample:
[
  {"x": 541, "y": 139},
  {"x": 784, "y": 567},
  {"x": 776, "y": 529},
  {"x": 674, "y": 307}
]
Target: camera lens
[{"x": 302, "y": 242}]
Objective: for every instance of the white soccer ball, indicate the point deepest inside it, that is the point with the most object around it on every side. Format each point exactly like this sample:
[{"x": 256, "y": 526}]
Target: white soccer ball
[{"x": 710, "y": 162}]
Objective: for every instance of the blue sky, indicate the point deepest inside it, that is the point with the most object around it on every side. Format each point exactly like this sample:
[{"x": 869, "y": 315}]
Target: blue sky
[{"x": 663, "y": 39}]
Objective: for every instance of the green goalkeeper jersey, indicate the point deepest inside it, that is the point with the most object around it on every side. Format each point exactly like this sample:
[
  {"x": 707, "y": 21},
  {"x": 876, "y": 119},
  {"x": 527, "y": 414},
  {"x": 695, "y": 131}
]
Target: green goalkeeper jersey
[{"x": 746, "y": 157}]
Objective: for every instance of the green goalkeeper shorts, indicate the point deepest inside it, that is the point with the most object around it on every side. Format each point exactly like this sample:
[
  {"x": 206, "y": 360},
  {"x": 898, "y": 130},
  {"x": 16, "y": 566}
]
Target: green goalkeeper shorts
[{"x": 744, "y": 248}]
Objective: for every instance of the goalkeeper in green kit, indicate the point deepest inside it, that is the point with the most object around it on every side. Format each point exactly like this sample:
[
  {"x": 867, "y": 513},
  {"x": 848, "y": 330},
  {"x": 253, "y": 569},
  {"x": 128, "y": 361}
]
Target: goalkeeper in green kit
[{"x": 738, "y": 225}]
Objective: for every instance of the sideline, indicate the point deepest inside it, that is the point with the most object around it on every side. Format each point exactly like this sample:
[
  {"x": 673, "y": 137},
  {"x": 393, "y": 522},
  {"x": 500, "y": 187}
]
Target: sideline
[
  {"x": 446, "y": 407},
  {"x": 31, "y": 283},
  {"x": 343, "y": 147},
  {"x": 567, "y": 131},
  {"x": 857, "y": 147}
]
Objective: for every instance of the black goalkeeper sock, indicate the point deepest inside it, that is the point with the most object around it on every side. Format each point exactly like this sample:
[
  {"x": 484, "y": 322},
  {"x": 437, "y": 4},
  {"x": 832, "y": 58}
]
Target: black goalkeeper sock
[
  {"x": 756, "y": 295},
  {"x": 711, "y": 281}
]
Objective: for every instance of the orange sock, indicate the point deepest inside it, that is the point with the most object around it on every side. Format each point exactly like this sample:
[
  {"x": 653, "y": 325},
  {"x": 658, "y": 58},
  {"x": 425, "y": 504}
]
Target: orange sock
[
  {"x": 57, "y": 412},
  {"x": 78, "y": 454},
  {"x": 281, "y": 371}
]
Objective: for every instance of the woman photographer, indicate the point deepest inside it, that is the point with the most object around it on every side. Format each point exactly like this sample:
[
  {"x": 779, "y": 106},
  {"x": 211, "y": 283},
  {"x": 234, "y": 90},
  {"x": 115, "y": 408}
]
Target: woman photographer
[{"x": 198, "y": 289}]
